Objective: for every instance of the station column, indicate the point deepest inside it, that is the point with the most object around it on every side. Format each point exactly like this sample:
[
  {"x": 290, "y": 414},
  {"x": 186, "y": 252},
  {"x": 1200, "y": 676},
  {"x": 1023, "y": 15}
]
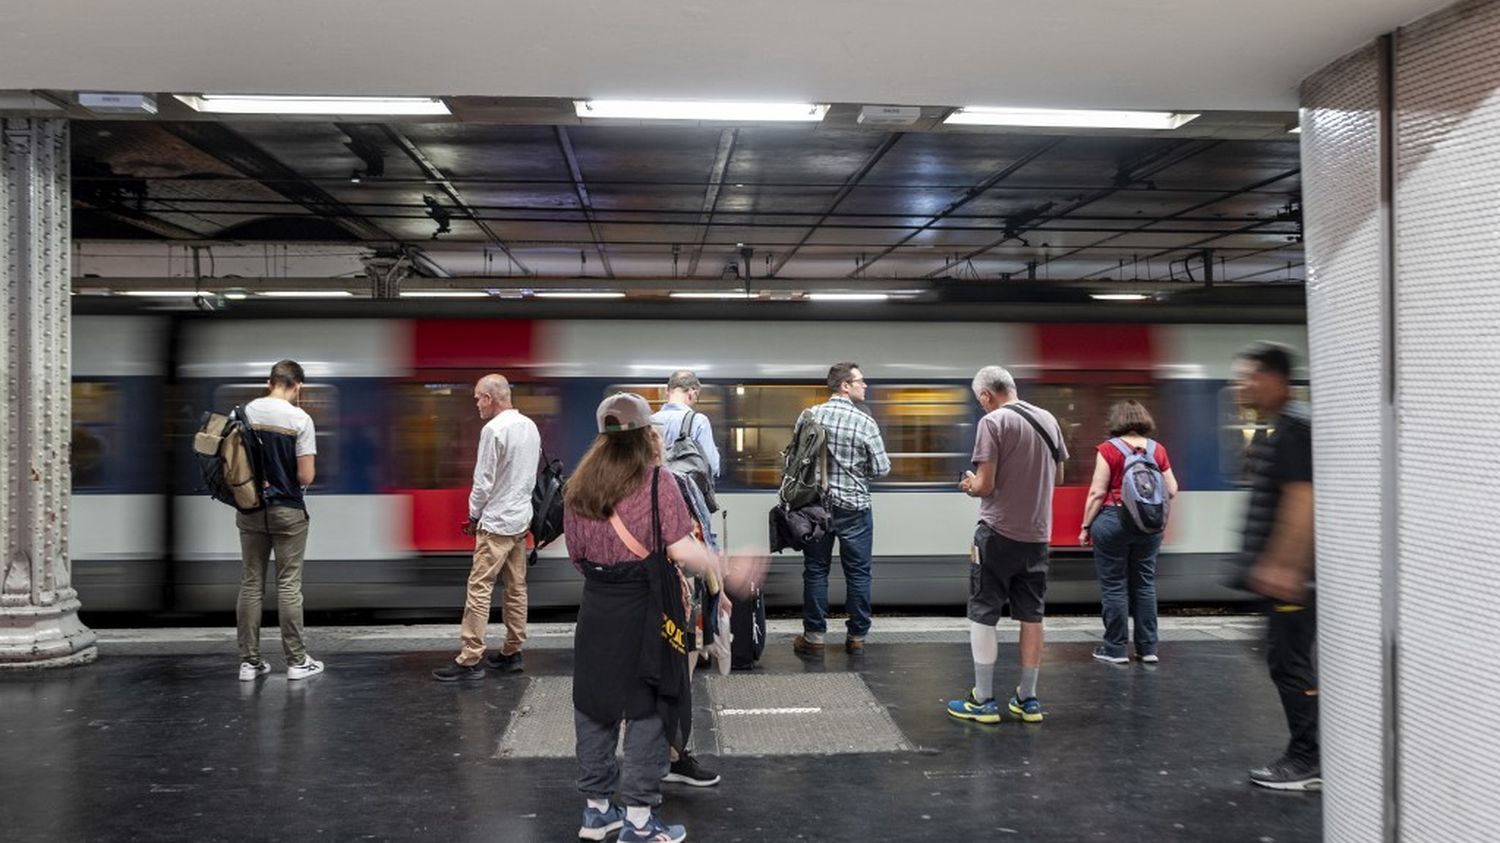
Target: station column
[
  {"x": 1401, "y": 162},
  {"x": 39, "y": 623}
]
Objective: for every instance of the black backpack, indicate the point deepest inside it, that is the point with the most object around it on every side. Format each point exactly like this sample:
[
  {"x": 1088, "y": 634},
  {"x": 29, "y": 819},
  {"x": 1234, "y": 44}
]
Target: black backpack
[
  {"x": 685, "y": 458},
  {"x": 229, "y": 457},
  {"x": 804, "y": 464},
  {"x": 546, "y": 506}
]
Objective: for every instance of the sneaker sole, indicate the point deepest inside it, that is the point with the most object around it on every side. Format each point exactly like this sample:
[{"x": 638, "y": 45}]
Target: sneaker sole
[
  {"x": 1029, "y": 718},
  {"x": 974, "y": 718},
  {"x": 1150, "y": 660},
  {"x": 586, "y": 833},
  {"x": 681, "y": 779},
  {"x": 1112, "y": 659},
  {"x": 1311, "y": 784},
  {"x": 301, "y": 676},
  {"x": 470, "y": 677}
]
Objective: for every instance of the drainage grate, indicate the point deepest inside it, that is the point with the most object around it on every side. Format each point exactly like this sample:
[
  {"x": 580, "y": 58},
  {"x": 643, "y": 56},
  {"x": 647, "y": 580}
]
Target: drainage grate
[{"x": 805, "y": 714}]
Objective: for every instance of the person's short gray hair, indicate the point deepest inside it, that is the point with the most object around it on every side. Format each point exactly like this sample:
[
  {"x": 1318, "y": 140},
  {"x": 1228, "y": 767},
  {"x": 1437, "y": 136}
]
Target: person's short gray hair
[
  {"x": 495, "y": 386},
  {"x": 684, "y": 379},
  {"x": 996, "y": 380}
]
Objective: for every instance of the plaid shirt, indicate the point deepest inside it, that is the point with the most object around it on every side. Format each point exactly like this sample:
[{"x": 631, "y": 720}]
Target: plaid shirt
[{"x": 857, "y": 452}]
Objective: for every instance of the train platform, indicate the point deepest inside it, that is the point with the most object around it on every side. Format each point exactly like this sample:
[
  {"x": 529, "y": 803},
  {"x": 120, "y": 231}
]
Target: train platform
[{"x": 158, "y": 740}]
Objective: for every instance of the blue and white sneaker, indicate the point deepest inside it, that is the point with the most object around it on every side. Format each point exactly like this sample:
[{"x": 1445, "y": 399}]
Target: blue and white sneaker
[
  {"x": 598, "y": 825},
  {"x": 1029, "y": 709},
  {"x": 970, "y": 708},
  {"x": 655, "y": 831}
]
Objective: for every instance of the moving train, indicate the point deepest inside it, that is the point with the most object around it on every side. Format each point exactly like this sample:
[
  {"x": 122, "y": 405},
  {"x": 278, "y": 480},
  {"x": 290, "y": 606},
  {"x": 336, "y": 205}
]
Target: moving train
[{"x": 396, "y": 435}]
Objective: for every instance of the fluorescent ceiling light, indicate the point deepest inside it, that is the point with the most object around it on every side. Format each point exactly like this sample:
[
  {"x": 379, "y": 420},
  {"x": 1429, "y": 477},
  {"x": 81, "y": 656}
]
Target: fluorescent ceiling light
[
  {"x": 163, "y": 294},
  {"x": 1118, "y": 296},
  {"x": 746, "y": 112},
  {"x": 258, "y": 104},
  {"x": 237, "y": 296},
  {"x": 708, "y": 295},
  {"x": 1071, "y": 118},
  {"x": 444, "y": 294},
  {"x": 578, "y": 294},
  {"x": 848, "y": 296},
  {"x": 1295, "y": 130},
  {"x": 307, "y": 294}
]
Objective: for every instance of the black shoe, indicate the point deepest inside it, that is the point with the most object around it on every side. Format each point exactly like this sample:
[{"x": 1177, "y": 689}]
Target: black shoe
[
  {"x": 456, "y": 672},
  {"x": 687, "y": 770},
  {"x": 1289, "y": 774},
  {"x": 506, "y": 664}
]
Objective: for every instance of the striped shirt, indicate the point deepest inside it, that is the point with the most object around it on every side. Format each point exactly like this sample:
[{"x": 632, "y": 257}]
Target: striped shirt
[{"x": 856, "y": 451}]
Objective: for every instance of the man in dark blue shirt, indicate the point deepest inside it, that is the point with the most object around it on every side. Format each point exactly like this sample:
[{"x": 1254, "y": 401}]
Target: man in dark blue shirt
[{"x": 1277, "y": 554}]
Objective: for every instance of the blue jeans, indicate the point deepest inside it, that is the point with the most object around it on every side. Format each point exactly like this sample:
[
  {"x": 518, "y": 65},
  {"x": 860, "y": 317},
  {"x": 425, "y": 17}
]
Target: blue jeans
[
  {"x": 855, "y": 529},
  {"x": 1126, "y": 561}
]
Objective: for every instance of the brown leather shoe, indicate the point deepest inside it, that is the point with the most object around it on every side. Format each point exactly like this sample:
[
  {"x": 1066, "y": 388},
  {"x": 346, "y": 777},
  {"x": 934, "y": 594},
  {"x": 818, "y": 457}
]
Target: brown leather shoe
[
  {"x": 854, "y": 646},
  {"x": 803, "y": 647}
]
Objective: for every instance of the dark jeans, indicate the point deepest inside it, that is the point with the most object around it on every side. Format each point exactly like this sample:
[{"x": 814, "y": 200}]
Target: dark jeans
[
  {"x": 855, "y": 529},
  {"x": 1291, "y": 636},
  {"x": 1126, "y": 562}
]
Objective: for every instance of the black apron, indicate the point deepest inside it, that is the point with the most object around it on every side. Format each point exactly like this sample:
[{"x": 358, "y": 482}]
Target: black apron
[{"x": 629, "y": 657}]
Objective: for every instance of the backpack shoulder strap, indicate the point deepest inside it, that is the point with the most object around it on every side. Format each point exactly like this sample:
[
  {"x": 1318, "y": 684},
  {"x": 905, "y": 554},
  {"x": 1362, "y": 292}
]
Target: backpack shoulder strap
[
  {"x": 1123, "y": 448},
  {"x": 1037, "y": 426},
  {"x": 1151, "y": 449},
  {"x": 686, "y": 431}
]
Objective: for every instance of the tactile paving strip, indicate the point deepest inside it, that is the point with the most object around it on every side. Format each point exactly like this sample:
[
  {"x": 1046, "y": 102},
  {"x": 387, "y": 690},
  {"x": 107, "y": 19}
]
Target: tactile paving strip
[
  {"x": 806, "y": 714},
  {"x": 542, "y": 724}
]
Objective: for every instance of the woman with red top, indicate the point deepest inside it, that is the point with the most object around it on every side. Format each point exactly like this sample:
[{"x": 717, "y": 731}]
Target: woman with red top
[{"x": 1124, "y": 556}]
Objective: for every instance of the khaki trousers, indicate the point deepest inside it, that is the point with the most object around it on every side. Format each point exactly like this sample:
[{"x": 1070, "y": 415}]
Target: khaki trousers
[
  {"x": 284, "y": 530},
  {"x": 495, "y": 556}
]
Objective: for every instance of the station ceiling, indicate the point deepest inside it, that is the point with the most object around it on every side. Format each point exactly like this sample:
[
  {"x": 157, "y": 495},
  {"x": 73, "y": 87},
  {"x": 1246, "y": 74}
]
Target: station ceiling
[{"x": 833, "y": 201}]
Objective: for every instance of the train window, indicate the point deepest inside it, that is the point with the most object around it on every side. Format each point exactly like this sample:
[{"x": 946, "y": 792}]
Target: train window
[
  {"x": 96, "y": 411},
  {"x": 1082, "y": 410},
  {"x": 758, "y": 426},
  {"x": 321, "y": 401},
  {"x": 436, "y": 430},
  {"x": 928, "y": 431},
  {"x": 1237, "y": 427}
]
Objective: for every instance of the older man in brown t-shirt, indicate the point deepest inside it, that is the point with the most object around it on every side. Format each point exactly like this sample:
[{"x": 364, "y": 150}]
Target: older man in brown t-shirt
[{"x": 1018, "y": 457}]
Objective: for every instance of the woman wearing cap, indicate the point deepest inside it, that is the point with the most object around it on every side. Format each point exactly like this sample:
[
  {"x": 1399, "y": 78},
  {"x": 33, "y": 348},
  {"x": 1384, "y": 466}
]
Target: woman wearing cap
[{"x": 626, "y": 523}]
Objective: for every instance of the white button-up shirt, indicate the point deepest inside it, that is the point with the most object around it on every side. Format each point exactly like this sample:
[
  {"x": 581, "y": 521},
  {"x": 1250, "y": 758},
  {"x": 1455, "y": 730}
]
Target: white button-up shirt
[{"x": 510, "y": 450}]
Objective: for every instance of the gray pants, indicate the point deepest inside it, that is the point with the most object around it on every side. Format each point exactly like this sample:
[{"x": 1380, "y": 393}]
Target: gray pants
[
  {"x": 600, "y": 775},
  {"x": 284, "y": 530}
]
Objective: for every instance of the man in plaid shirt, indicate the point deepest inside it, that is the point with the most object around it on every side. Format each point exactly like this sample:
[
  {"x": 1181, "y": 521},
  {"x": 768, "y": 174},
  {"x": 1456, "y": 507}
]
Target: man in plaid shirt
[{"x": 856, "y": 454}]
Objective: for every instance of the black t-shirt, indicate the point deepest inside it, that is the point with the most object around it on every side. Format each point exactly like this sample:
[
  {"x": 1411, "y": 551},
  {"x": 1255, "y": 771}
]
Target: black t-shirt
[{"x": 1275, "y": 458}]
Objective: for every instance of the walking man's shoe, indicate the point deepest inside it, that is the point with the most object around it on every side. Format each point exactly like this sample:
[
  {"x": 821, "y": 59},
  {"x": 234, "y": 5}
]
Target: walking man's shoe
[
  {"x": 512, "y": 663},
  {"x": 1289, "y": 774}
]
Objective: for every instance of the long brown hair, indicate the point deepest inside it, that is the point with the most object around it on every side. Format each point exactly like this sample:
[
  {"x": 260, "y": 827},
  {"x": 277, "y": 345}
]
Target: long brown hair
[{"x": 614, "y": 467}]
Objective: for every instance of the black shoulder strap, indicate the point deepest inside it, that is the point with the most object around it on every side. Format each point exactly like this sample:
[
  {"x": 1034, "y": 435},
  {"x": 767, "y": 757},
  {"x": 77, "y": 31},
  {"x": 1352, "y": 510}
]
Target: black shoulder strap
[
  {"x": 686, "y": 430},
  {"x": 1037, "y": 426}
]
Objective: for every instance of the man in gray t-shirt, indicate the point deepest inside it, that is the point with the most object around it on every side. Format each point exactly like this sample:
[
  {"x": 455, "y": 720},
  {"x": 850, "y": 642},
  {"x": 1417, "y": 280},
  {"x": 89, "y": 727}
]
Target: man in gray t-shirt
[{"x": 1018, "y": 458}]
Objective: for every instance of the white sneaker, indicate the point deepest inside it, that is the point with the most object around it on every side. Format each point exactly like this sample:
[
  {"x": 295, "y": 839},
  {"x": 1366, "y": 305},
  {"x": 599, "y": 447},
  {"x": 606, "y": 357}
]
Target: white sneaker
[
  {"x": 1150, "y": 658},
  {"x": 250, "y": 672},
  {"x": 309, "y": 667}
]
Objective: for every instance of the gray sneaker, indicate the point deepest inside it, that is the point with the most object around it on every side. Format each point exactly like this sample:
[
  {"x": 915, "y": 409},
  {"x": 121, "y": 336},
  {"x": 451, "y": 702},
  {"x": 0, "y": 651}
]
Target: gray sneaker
[{"x": 1289, "y": 774}]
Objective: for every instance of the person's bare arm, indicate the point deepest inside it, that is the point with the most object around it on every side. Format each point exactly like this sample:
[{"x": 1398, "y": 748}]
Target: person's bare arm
[
  {"x": 306, "y": 472},
  {"x": 1098, "y": 489},
  {"x": 1285, "y": 564},
  {"x": 977, "y": 485},
  {"x": 1171, "y": 483}
]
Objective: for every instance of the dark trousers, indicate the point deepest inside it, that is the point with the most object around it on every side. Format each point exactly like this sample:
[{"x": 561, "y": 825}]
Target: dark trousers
[
  {"x": 1126, "y": 563},
  {"x": 1291, "y": 637},
  {"x": 600, "y": 774},
  {"x": 855, "y": 529}
]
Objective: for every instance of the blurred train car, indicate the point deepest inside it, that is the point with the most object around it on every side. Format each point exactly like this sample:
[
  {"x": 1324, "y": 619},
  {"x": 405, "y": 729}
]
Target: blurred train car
[{"x": 397, "y": 431}]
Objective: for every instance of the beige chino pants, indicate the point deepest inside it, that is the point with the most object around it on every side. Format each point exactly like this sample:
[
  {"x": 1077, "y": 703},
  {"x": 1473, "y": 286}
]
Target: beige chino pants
[{"x": 495, "y": 557}]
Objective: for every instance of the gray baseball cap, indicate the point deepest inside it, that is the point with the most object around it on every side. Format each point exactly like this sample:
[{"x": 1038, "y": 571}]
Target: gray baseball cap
[{"x": 623, "y": 411}]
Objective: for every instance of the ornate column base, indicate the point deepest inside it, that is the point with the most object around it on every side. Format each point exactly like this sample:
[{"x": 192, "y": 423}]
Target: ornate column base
[{"x": 45, "y": 636}]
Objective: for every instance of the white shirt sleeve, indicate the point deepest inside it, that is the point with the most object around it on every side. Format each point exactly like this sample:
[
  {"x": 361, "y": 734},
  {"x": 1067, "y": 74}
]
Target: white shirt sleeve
[
  {"x": 485, "y": 466},
  {"x": 307, "y": 440}
]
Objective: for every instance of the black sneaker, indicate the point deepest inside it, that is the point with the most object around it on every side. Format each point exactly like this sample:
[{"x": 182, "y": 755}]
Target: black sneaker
[
  {"x": 506, "y": 664},
  {"x": 688, "y": 771},
  {"x": 1289, "y": 774},
  {"x": 455, "y": 672}
]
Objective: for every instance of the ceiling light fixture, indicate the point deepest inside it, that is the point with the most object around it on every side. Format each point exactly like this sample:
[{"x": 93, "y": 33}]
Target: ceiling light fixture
[
  {"x": 444, "y": 294},
  {"x": 848, "y": 296},
  {"x": 1118, "y": 296},
  {"x": 725, "y": 295},
  {"x": 1295, "y": 130},
  {"x": 262, "y": 104},
  {"x": 164, "y": 294},
  {"x": 578, "y": 294},
  {"x": 1069, "y": 118},
  {"x": 307, "y": 294},
  {"x": 739, "y": 112}
]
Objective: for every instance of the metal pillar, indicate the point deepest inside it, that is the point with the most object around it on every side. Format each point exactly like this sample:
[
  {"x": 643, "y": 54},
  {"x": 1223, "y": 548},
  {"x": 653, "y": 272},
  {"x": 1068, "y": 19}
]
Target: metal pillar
[{"x": 39, "y": 625}]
